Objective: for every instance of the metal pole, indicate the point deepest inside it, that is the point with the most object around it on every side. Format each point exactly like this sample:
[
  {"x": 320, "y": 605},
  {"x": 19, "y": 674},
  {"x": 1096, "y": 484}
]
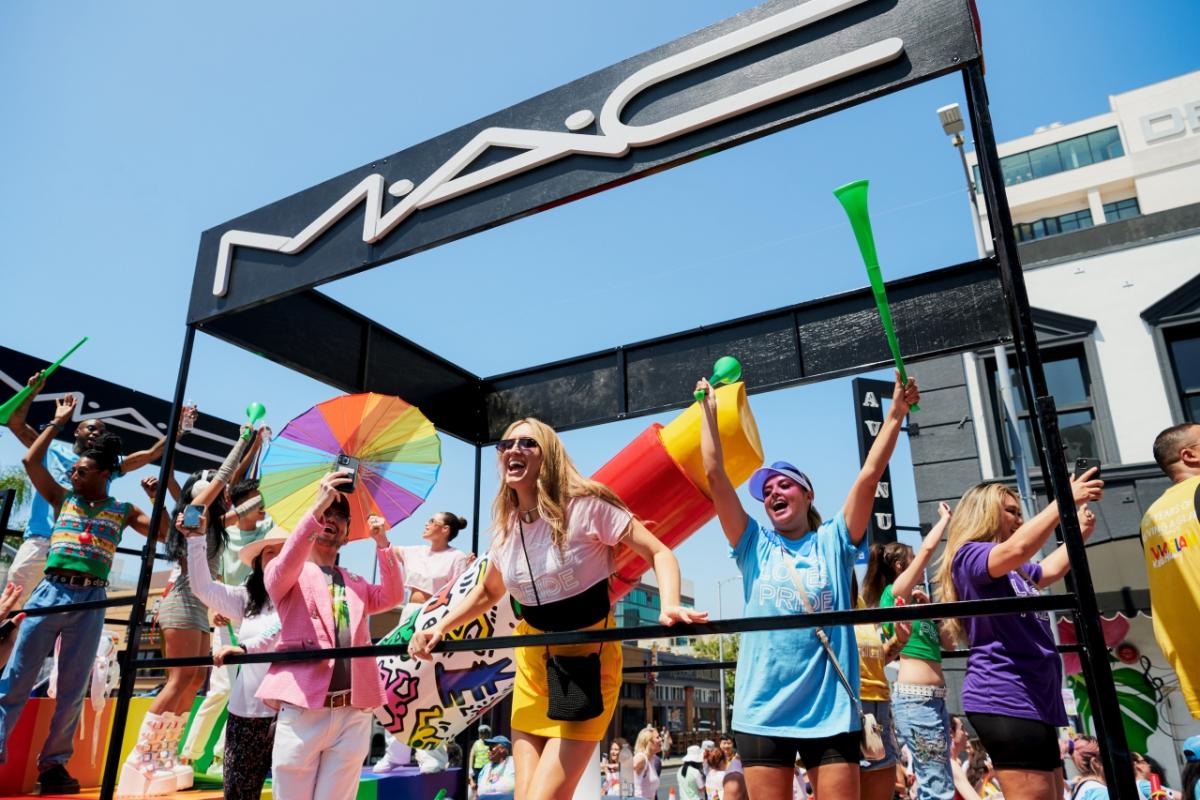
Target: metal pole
[
  {"x": 721, "y": 656},
  {"x": 1106, "y": 710},
  {"x": 138, "y": 612},
  {"x": 475, "y": 511}
]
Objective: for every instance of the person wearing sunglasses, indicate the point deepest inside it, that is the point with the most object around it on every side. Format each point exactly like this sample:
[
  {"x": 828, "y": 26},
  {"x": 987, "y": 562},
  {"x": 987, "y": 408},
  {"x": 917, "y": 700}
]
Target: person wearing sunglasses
[
  {"x": 322, "y": 734},
  {"x": 83, "y": 542},
  {"x": 552, "y": 550}
]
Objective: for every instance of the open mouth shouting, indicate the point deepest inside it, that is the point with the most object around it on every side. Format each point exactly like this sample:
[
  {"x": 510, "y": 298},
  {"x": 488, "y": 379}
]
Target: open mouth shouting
[{"x": 516, "y": 466}]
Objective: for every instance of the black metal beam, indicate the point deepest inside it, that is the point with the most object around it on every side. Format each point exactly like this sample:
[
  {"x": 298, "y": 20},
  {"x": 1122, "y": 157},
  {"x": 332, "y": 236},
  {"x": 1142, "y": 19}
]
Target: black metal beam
[
  {"x": 954, "y": 309},
  {"x": 855, "y": 616},
  {"x": 137, "y": 613},
  {"x": 1118, "y": 766}
]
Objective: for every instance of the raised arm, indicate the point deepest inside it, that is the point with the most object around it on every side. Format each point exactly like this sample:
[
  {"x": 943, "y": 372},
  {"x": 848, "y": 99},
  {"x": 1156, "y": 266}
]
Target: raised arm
[
  {"x": 1056, "y": 565},
  {"x": 141, "y": 458},
  {"x": 140, "y": 521},
  {"x": 1028, "y": 539},
  {"x": 861, "y": 500},
  {"x": 229, "y": 601},
  {"x": 666, "y": 571},
  {"x": 477, "y": 601},
  {"x": 732, "y": 516},
  {"x": 389, "y": 592},
  {"x": 25, "y": 432},
  {"x": 911, "y": 576},
  {"x": 34, "y": 459},
  {"x": 284, "y": 570}
]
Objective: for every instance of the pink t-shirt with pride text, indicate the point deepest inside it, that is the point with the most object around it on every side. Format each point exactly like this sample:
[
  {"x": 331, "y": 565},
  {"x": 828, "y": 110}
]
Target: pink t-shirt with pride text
[{"x": 594, "y": 527}]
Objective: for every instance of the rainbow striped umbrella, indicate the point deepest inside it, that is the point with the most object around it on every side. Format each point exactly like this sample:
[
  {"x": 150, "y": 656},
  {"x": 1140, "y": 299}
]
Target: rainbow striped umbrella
[{"x": 398, "y": 449}]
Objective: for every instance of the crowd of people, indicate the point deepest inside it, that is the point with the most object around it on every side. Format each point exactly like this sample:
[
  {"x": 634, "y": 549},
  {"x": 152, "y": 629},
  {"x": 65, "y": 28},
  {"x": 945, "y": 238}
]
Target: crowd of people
[{"x": 824, "y": 721}]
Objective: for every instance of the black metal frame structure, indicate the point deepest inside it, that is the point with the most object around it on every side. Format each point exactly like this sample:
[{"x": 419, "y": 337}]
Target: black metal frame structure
[{"x": 978, "y": 304}]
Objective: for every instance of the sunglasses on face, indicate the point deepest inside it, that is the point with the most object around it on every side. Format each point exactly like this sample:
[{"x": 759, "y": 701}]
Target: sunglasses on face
[{"x": 523, "y": 443}]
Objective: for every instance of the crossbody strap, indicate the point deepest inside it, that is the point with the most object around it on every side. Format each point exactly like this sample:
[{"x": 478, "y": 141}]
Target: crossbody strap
[
  {"x": 818, "y": 630},
  {"x": 533, "y": 582}
]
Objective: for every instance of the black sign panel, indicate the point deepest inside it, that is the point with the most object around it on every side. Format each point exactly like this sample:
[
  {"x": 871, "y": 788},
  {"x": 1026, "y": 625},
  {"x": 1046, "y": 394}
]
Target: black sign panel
[
  {"x": 139, "y": 419},
  {"x": 773, "y": 66},
  {"x": 869, "y": 396}
]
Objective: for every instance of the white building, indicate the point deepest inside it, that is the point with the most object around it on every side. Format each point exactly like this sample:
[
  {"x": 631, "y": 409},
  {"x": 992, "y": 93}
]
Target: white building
[{"x": 1107, "y": 211}]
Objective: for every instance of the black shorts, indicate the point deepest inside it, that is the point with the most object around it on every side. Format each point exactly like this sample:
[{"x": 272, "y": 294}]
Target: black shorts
[
  {"x": 781, "y": 751},
  {"x": 1016, "y": 743}
]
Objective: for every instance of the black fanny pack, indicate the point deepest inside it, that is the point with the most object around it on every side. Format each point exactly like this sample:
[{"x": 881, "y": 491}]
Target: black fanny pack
[{"x": 572, "y": 682}]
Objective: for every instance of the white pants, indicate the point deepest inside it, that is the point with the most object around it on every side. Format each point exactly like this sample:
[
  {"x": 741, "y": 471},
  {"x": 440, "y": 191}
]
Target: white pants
[
  {"x": 28, "y": 565},
  {"x": 319, "y": 752},
  {"x": 219, "y": 686}
]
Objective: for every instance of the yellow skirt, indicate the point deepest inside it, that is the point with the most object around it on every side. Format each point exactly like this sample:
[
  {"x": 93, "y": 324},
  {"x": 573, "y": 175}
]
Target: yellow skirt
[{"x": 530, "y": 696}]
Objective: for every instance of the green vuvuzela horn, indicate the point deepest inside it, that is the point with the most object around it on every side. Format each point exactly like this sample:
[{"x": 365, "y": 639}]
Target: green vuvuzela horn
[
  {"x": 853, "y": 197},
  {"x": 11, "y": 405}
]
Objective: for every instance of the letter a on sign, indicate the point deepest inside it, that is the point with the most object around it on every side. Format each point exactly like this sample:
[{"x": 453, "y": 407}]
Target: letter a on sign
[{"x": 870, "y": 401}]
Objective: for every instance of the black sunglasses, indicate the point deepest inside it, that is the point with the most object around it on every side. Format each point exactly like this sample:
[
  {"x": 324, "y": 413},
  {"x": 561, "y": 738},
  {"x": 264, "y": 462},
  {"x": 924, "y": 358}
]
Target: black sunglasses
[{"x": 524, "y": 443}]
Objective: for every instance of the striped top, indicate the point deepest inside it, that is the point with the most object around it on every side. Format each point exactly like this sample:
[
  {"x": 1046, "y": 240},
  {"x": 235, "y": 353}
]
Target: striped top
[{"x": 85, "y": 537}]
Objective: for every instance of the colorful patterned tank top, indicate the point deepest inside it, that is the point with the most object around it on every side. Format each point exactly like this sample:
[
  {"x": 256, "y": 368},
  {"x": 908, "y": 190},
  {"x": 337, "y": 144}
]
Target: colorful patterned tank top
[{"x": 85, "y": 537}]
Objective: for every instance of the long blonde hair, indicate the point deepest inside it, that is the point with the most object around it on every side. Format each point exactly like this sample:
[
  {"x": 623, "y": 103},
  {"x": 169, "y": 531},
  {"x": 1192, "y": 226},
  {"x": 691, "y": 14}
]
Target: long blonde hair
[
  {"x": 644, "y": 738},
  {"x": 976, "y": 519},
  {"x": 558, "y": 481}
]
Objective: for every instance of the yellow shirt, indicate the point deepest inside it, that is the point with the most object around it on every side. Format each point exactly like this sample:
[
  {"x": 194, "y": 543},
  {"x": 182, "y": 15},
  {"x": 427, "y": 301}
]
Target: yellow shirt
[
  {"x": 1171, "y": 541},
  {"x": 873, "y": 683}
]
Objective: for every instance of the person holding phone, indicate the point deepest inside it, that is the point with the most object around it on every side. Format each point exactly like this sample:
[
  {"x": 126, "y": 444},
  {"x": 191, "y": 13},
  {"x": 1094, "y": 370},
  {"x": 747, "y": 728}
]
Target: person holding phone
[
  {"x": 251, "y": 729},
  {"x": 1012, "y": 692},
  {"x": 555, "y": 532},
  {"x": 87, "y": 531},
  {"x": 322, "y": 734},
  {"x": 797, "y": 703},
  {"x": 185, "y": 627}
]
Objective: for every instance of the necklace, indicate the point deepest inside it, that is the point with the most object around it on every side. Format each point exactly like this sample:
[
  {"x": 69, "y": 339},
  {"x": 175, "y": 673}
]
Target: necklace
[{"x": 528, "y": 516}]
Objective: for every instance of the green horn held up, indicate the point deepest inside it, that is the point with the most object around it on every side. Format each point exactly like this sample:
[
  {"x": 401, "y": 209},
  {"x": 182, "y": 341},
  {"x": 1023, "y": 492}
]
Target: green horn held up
[{"x": 853, "y": 197}]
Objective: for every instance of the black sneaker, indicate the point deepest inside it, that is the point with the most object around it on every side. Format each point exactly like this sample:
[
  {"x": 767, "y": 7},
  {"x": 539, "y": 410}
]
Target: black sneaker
[{"x": 56, "y": 780}]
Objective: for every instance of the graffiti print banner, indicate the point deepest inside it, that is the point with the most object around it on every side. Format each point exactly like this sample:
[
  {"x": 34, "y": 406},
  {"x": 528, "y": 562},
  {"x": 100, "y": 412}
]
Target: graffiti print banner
[{"x": 429, "y": 702}]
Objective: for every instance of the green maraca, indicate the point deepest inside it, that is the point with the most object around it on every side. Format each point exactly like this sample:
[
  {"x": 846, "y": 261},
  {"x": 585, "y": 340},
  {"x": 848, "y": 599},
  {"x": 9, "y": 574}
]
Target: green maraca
[
  {"x": 254, "y": 413},
  {"x": 727, "y": 370}
]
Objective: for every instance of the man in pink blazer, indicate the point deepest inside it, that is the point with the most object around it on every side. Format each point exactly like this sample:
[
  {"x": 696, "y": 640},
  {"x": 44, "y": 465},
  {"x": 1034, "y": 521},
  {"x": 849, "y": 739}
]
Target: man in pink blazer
[{"x": 323, "y": 732}]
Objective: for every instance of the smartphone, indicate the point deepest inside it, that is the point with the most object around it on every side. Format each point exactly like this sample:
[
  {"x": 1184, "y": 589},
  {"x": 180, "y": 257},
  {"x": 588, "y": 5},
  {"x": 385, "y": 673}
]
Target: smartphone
[
  {"x": 9, "y": 625},
  {"x": 1082, "y": 465},
  {"x": 348, "y": 465},
  {"x": 191, "y": 516}
]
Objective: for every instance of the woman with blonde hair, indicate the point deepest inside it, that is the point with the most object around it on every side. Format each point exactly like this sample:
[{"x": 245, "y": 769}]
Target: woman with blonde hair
[
  {"x": 645, "y": 776},
  {"x": 554, "y": 535},
  {"x": 1012, "y": 690}
]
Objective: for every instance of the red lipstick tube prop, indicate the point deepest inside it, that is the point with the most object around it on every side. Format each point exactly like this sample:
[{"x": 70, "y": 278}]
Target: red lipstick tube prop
[{"x": 660, "y": 494}]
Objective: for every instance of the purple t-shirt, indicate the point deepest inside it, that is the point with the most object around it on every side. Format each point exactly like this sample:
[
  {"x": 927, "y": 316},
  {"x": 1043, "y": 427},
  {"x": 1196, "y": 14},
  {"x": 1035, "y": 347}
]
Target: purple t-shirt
[{"x": 1014, "y": 669}]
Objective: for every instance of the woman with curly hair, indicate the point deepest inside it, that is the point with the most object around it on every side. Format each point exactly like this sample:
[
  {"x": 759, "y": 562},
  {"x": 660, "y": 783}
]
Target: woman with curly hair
[{"x": 555, "y": 532}]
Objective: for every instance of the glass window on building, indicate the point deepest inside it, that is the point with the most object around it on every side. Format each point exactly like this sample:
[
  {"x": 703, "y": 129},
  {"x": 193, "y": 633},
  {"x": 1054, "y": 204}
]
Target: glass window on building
[
  {"x": 1051, "y": 159},
  {"x": 1049, "y": 226},
  {"x": 1068, "y": 379},
  {"x": 1122, "y": 209},
  {"x": 1105, "y": 144},
  {"x": 1045, "y": 161},
  {"x": 1016, "y": 169},
  {"x": 1075, "y": 153},
  {"x": 1183, "y": 345}
]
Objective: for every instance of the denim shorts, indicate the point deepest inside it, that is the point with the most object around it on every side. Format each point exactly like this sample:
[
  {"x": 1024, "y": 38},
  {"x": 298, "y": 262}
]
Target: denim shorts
[
  {"x": 923, "y": 725},
  {"x": 882, "y": 710}
]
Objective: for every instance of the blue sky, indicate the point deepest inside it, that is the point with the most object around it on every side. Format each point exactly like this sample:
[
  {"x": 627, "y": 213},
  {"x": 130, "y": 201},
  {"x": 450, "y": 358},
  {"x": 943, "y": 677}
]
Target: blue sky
[{"x": 131, "y": 127}]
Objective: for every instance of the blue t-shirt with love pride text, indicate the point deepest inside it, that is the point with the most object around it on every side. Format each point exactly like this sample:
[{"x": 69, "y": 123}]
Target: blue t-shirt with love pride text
[{"x": 786, "y": 685}]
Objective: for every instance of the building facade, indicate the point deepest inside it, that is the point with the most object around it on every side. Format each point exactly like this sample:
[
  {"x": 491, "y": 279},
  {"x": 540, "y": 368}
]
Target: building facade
[{"x": 1106, "y": 211}]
